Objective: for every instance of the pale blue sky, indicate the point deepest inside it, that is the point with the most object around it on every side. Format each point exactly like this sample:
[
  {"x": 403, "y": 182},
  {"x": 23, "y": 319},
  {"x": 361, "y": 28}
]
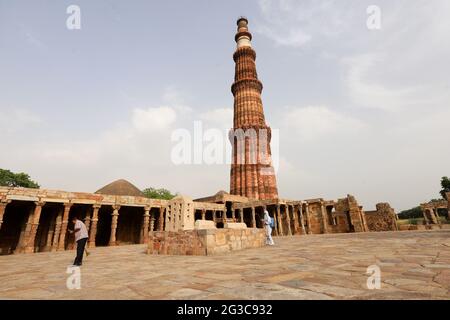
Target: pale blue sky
[{"x": 359, "y": 111}]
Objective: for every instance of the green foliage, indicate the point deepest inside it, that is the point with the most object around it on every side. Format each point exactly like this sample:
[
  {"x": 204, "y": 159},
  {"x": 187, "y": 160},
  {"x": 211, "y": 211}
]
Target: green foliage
[
  {"x": 411, "y": 213},
  {"x": 11, "y": 179},
  {"x": 415, "y": 221},
  {"x": 158, "y": 193},
  {"x": 445, "y": 185}
]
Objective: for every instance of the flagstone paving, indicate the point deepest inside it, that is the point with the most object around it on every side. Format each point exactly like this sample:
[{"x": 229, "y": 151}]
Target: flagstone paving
[{"x": 414, "y": 265}]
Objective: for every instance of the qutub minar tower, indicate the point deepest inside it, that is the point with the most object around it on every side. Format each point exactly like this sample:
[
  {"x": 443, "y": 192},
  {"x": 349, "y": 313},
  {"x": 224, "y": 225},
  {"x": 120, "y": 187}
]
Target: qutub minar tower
[{"x": 252, "y": 174}]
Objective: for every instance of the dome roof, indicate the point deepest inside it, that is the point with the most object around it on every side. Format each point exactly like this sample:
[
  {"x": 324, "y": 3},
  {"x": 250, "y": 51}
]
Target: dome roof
[
  {"x": 121, "y": 188},
  {"x": 221, "y": 192}
]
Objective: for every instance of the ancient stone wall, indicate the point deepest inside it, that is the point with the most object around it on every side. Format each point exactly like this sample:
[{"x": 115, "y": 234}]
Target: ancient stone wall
[
  {"x": 382, "y": 219},
  {"x": 204, "y": 242},
  {"x": 176, "y": 243},
  {"x": 315, "y": 218}
]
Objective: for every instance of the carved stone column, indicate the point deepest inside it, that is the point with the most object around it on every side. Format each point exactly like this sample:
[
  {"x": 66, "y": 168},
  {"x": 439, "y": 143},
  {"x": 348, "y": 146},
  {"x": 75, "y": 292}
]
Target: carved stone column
[
  {"x": 241, "y": 215},
  {"x": 115, "y": 219},
  {"x": 432, "y": 216},
  {"x": 58, "y": 223},
  {"x": 280, "y": 224},
  {"x": 253, "y": 218},
  {"x": 31, "y": 234},
  {"x": 161, "y": 219},
  {"x": 294, "y": 217},
  {"x": 50, "y": 235},
  {"x": 203, "y": 214},
  {"x": 87, "y": 220},
  {"x": 145, "y": 225},
  {"x": 425, "y": 217},
  {"x": 215, "y": 217},
  {"x": 436, "y": 215},
  {"x": 3, "y": 205},
  {"x": 65, "y": 222},
  {"x": 300, "y": 209},
  {"x": 94, "y": 223},
  {"x": 324, "y": 217},
  {"x": 152, "y": 223},
  {"x": 275, "y": 221},
  {"x": 288, "y": 220},
  {"x": 308, "y": 218},
  {"x": 233, "y": 215}
]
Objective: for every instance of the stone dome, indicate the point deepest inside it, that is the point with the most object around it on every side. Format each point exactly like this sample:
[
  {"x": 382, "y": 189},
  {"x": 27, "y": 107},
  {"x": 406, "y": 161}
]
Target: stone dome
[{"x": 121, "y": 188}]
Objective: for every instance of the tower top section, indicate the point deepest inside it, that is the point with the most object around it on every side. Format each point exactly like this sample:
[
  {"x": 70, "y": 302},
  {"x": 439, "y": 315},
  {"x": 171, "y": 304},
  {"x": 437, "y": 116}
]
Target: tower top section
[{"x": 243, "y": 36}]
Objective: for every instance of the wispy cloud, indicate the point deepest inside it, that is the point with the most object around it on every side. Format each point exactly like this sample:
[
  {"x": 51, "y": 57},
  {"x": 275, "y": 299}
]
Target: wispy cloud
[
  {"x": 295, "y": 23},
  {"x": 319, "y": 122},
  {"x": 13, "y": 120}
]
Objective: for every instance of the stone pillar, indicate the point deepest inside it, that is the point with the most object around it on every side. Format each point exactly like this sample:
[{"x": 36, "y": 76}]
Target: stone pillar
[
  {"x": 275, "y": 221},
  {"x": 253, "y": 217},
  {"x": 145, "y": 225},
  {"x": 87, "y": 220},
  {"x": 425, "y": 218},
  {"x": 65, "y": 223},
  {"x": 448, "y": 208},
  {"x": 233, "y": 215},
  {"x": 94, "y": 222},
  {"x": 324, "y": 217},
  {"x": 3, "y": 205},
  {"x": 280, "y": 224},
  {"x": 308, "y": 217},
  {"x": 59, "y": 219},
  {"x": 300, "y": 209},
  {"x": 115, "y": 219},
  {"x": 31, "y": 234},
  {"x": 295, "y": 219},
  {"x": 50, "y": 235},
  {"x": 203, "y": 214},
  {"x": 241, "y": 215},
  {"x": 432, "y": 216},
  {"x": 152, "y": 223},
  {"x": 161, "y": 219},
  {"x": 215, "y": 217},
  {"x": 288, "y": 220},
  {"x": 436, "y": 215},
  {"x": 24, "y": 230}
]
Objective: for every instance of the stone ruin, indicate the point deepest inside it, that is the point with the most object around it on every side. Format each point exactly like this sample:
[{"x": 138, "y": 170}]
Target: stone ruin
[{"x": 36, "y": 220}]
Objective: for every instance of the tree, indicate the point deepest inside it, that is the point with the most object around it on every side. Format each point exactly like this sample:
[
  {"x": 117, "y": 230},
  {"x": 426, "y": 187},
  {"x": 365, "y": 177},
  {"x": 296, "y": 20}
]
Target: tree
[
  {"x": 11, "y": 179},
  {"x": 445, "y": 184},
  {"x": 411, "y": 213},
  {"x": 162, "y": 193}
]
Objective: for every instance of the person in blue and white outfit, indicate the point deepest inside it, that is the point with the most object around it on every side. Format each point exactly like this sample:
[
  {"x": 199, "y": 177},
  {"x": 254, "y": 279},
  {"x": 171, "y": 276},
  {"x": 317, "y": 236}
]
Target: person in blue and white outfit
[{"x": 268, "y": 222}]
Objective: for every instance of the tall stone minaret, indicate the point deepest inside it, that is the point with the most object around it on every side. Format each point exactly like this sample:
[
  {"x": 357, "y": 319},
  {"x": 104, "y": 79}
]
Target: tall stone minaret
[{"x": 252, "y": 174}]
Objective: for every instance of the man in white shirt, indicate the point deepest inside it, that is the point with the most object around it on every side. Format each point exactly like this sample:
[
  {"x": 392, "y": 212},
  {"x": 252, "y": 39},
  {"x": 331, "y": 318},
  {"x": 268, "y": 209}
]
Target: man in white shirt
[{"x": 81, "y": 237}]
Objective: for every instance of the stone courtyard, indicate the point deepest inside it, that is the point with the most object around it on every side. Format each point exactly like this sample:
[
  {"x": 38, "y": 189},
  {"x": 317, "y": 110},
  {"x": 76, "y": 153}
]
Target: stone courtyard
[{"x": 414, "y": 265}]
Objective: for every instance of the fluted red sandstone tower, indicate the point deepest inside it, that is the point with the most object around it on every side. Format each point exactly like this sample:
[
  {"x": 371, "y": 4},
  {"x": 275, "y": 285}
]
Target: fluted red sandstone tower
[{"x": 252, "y": 174}]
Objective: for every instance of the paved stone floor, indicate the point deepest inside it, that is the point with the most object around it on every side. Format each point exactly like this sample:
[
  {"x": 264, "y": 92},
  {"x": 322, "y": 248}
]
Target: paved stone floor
[{"x": 414, "y": 265}]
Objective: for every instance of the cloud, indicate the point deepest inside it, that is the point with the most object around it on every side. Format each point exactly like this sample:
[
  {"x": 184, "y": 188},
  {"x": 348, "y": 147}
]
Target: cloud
[
  {"x": 31, "y": 37},
  {"x": 153, "y": 119},
  {"x": 220, "y": 117},
  {"x": 293, "y": 37},
  {"x": 315, "y": 122},
  {"x": 16, "y": 120},
  {"x": 296, "y": 23},
  {"x": 403, "y": 65}
]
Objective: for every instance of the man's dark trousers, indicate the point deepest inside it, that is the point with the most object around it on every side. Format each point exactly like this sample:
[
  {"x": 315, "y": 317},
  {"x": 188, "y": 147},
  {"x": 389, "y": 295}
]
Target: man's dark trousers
[{"x": 80, "y": 250}]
